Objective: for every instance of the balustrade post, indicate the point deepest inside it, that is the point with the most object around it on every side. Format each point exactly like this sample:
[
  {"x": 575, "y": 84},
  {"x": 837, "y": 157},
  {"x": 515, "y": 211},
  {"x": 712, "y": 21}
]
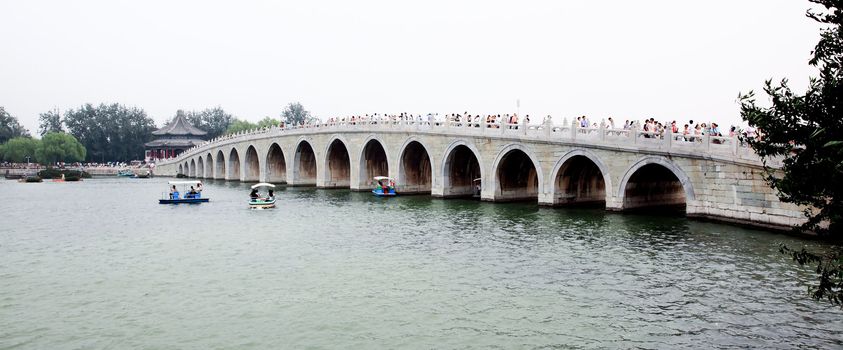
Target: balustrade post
[
  {"x": 574, "y": 126},
  {"x": 707, "y": 141},
  {"x": 735, "y": 145},
  {"x": 602, "y": 131},
  {"x": 668, "y": 138}
]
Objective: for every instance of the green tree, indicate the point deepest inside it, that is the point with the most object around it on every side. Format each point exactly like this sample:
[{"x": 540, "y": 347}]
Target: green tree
[
  {"x": 267, "y": 122},
  {"x": 59, "y": 146},
  {"x": 110, "y": 132},
  {"x": 215, "y": 121},
  {"x": 10, "y": 127},
  {"x": 49, "y": 121},
  {"x": 805, "y": 132},
  {"x": 238, "y": 125},
  {"x": 295, "y": 114},
  {"x": 19, "y": 148}
]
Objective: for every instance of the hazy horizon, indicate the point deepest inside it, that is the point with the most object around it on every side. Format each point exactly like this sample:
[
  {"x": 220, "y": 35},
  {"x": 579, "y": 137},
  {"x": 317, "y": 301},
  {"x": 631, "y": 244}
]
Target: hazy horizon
[{"x": 662, "y": 59}]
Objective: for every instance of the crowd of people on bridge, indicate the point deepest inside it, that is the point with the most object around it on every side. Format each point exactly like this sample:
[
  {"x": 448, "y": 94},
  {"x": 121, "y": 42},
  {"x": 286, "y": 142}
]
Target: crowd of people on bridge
[{"x": 690, "y": 131}]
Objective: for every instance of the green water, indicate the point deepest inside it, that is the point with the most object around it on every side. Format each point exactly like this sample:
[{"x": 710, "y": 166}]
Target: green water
[{"x": 101, "y": 265}]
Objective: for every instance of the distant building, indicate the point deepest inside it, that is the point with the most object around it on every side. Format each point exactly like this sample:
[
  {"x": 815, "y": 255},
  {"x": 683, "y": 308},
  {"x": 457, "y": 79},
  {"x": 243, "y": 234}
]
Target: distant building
[{"x": 174, "y": 138}]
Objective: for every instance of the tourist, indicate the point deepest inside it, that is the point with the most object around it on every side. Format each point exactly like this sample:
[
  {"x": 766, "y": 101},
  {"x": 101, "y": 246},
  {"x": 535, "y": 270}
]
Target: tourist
[
  {"x": 271, "y": 194},
  {"x": 254, "y": 195}
]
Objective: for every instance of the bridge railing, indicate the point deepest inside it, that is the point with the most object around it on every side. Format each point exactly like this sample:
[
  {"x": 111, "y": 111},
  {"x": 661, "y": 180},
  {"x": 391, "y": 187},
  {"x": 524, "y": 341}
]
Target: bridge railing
[{"x": 547, "y": 131}]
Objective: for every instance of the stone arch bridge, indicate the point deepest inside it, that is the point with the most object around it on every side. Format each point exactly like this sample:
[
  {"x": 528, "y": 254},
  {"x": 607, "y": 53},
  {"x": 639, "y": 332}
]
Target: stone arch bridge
[{"x": 711, "y": 177}]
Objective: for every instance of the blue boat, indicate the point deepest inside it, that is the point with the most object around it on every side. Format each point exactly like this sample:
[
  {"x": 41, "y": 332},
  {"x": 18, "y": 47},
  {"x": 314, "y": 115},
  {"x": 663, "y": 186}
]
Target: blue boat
[
  {"x": 175, "y": 197},
  {"x": 385, "y": 187}
]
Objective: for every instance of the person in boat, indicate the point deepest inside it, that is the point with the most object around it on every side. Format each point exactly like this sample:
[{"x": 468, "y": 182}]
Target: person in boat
[
  {"x": 380, "y": 186},
  {"x": 173, "y": 192},
  {"x": 271, "y": 195},
  {"x": 254, "y": 195},
  {"x": 199, "y": 187},
  {"x": 191, "y": 193}
]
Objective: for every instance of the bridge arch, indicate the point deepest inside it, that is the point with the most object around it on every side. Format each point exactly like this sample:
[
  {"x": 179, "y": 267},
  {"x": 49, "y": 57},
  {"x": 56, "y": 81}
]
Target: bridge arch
[
  {"x": 200, "y": 167},
  {"x": 653, "y": 182},
  {"x": 181, "y": 170},
  {"x": 192, "y": 168},
  {"x": 304, "y": 164},
  {"x": 219, "y": 166},
  {"x": 374, "y": 161},
  {"x": 233, "y": 165},
  {"x": 415, "y": 170},
  {"x": 337, "y": 169},
  {"x": 209, "y": 166},
  {"x": 252, "y": 169},
  {"x": 461, "y": 164},
  {"x": 580, "y": 177},
  {"x": 276, "y": 165},
  {"x": 518, "y": 174}
]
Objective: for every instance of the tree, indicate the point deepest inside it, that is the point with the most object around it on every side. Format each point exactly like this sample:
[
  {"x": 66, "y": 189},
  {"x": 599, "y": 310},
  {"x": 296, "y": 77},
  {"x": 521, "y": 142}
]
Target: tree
[
  {"x": 267, "y": 122},
  {"x": 215, "y": 121},
  {"x": 110, "y": 132},
  {"x": 295, "y": 114},
  {"x": 49, "y": 121},
  {"x": 19, "y": 148},
  {"x": 10, "y": 127},
  {"x": 59, "y": 146},
  {"x": 238, "y": 125},
  {"x": 805, "y": 131}
]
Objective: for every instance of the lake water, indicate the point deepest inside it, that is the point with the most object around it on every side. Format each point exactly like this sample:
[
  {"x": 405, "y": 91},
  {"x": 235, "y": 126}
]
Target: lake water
[{"x": 101, "y": 265}]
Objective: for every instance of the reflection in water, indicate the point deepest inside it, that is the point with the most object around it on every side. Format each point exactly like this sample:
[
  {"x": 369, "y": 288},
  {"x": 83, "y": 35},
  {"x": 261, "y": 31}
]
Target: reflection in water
[{"x": 102, "y": 263}]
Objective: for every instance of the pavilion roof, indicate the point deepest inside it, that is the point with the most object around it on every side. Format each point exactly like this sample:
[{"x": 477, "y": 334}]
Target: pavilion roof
[
  {"x": 176, "y": 143},
  {"x": 179, "y": 126}
]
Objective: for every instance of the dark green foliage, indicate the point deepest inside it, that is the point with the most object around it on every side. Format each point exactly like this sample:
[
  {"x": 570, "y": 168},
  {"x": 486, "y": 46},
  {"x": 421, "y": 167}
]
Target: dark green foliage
[
  {"x": 49, "y": 122},
  {"x": 215, "y": 121},
  {"x": 110, "y": 132},
  {"x": 805, "y": 131},
  {"x": 295, "y": 114},
  {"x": 9, "y": 127},
  {"x": 829, "y": 272},
  {"x": 33, "y": 179},
  {"x": 69, "y": 175}
]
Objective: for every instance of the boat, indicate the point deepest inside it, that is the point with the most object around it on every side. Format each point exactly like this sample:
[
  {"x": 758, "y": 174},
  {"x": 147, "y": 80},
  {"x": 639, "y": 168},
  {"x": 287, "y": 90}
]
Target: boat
[
  {"x": 31, "y": 179},
  {"x": 145, "y": 175},
  {"x": 126, "y": 173},
  {"x": 380, "y": 191},
  {"x": 188, "y": 198},
  {"x": 258, "y": 202}
]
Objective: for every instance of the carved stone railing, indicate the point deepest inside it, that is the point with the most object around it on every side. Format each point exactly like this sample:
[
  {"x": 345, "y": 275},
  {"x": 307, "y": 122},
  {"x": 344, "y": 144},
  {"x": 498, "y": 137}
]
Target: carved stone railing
[{"x": 697, "y": 146}]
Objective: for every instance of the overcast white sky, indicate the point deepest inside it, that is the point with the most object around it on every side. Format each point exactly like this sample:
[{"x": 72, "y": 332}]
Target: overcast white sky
[{"x": 628, "y": 59}]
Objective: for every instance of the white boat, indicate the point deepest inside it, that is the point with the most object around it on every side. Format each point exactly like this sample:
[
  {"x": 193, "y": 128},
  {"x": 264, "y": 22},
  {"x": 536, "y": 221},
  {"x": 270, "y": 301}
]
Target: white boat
[{"x": 260, "y": 202}]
